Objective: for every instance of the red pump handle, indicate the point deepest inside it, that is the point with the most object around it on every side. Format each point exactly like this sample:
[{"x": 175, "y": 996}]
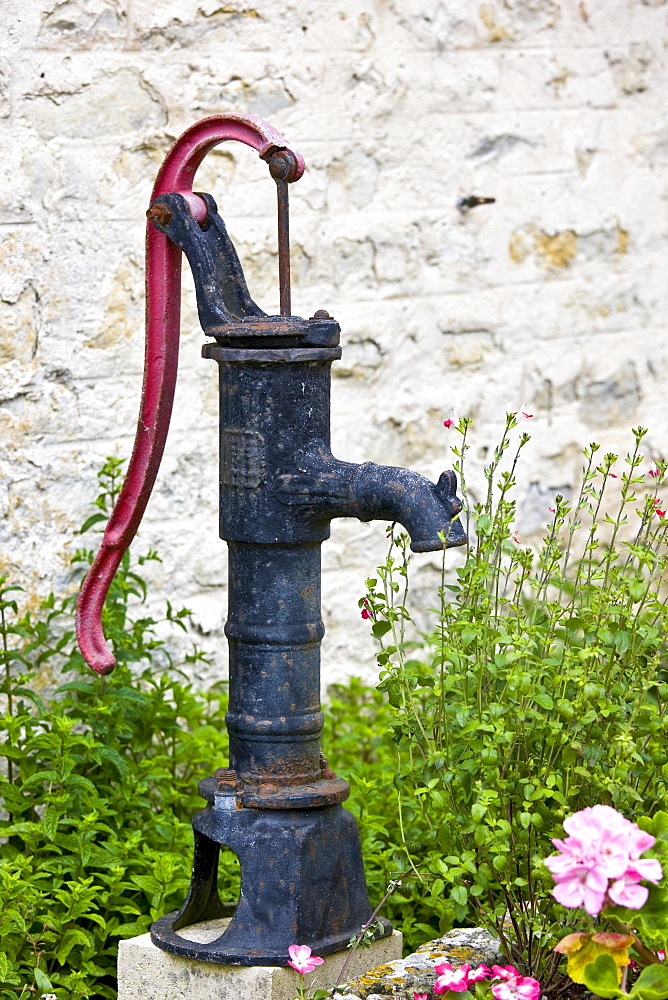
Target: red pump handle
[{"x": 163, "y": 307}]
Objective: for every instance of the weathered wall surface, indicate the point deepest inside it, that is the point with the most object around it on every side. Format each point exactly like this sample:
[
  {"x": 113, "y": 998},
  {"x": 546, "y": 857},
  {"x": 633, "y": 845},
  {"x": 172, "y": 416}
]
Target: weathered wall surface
[{"x": 552, "y": 299}]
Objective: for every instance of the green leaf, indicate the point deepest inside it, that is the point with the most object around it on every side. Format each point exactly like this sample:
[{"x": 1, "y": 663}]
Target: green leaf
[
  {"x": 651, "y": 984},
  {"x": 652, "y": 920},
  {"x": 602, "y": 978},
  {"x": 478, "y": 810},
  {"x": 93, "y": 519},
  {"x": 42, "y": 981},
  {"x": 543, "y": 700},
  {"x": 459, "y": 894},
  {"x": 50, "y": 822},
  {"x": 379, "y": 629},
  {"x": 73, "y": 937}
]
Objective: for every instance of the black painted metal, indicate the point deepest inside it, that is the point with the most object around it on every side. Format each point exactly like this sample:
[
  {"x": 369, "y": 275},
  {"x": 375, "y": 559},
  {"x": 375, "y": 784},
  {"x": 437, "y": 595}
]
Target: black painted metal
[{"x": 278, "y": 805}]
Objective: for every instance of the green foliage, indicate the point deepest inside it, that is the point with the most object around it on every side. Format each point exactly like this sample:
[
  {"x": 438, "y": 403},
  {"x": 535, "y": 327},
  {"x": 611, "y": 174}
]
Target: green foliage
[
  {"x": 601, "y": 977},
  {"x": 99, "y": 786},
  {"x": 358, "y": 735},
  {"x": 541, "y": 690}
]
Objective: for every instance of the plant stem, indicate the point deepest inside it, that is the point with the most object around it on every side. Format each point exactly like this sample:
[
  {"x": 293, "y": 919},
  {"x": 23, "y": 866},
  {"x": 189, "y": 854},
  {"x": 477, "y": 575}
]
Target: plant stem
[{"x": 394, "y": 884}]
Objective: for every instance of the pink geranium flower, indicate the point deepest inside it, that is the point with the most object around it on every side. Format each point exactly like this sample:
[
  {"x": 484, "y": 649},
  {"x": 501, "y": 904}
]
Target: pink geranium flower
[
  {"x": 599, "y": 862},
  {"x": 302, "y": 960},
  {"x": 420, "y": 996}
]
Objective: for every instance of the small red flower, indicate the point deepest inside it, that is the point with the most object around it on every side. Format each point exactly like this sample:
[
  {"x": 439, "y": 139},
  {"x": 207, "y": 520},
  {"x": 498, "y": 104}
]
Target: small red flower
[
  {"x": 366, "y": 609},
  {"x": 654, "y": 473},
  {"x": 446, "y": 423},
  {"x": 528, "y": 415},
  {"x": 552, "y": 510},
  {"x": 659, "y": 513}
]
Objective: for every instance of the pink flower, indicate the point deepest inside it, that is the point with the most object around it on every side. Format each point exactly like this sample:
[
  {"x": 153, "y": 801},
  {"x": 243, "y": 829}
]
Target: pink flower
[
  {"x": 366, "y": 610},
  {"x": 450, "y": 978},
  {"x": 482, "y": 972},
  {"x": 582, "y": 887},
  {"x": 627, "y": 892},
  {"x": 447, "y": 423},
  {"x": 659, "y": 513},
  {"x": 552, "y": 510},
  {"x": 302, "y": 960},
  {"x": 420, "y": 996},
  {"x": 516, "y": 988},
  {"x": 599, "y": 862},
  {"x": 504, "y": 972},
  {"x": 654, "y": 472},
  {"x": 527, "y": 415}
]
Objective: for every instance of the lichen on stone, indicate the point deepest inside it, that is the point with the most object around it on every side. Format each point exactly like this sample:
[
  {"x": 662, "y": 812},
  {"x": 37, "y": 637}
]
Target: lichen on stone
[{"x": 415, "y": 973}]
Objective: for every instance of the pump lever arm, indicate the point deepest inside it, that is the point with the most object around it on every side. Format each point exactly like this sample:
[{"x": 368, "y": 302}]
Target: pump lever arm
[
  {"x": 220, "y": 285},
  {"x": 163, "y": 295}
]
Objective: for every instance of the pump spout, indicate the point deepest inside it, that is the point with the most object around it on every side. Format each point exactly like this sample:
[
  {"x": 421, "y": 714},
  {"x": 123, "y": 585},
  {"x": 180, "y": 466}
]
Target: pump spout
[{"x": 331, "y": 488}]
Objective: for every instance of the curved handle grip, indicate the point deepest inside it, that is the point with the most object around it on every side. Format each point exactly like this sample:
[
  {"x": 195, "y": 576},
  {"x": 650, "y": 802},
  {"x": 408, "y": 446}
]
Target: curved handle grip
[{"x": 163, "y": 307}]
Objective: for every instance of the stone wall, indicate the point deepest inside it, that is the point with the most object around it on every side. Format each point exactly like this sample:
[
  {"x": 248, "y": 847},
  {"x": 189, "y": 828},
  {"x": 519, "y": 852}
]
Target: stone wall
[{"x": 551, "y": 300}]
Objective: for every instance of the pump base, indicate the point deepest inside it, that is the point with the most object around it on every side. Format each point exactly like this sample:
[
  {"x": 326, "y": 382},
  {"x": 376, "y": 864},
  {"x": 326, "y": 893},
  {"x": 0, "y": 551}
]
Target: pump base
[{"x": 302, "y": 882}]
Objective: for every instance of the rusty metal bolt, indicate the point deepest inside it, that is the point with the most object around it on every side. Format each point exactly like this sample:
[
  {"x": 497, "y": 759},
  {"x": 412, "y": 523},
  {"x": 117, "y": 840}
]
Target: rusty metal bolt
[
  {"x": 283, "y": 165},
  {"x": 321, "y": 314},
  {"x": 326, "y": 773},
  {"x": 160, "y": 214},
  {"x": 227, "y": 778}
]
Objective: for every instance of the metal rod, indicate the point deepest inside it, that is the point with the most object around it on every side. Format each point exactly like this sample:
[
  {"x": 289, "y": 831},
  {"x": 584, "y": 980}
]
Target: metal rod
[{"x": 284, "y": 246}]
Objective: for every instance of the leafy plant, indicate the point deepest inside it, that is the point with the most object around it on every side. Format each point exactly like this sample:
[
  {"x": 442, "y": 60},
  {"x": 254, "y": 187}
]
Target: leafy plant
[
  {"x": 541, "y": 689},
  {"x": 99, "y": 786}
]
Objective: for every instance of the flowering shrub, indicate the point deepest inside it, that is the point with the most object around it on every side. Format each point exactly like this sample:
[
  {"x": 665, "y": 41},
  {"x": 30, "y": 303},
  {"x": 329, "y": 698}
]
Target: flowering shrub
[
  {"x": 599, "y": 868},
  {"x": 540, "y": 691}
]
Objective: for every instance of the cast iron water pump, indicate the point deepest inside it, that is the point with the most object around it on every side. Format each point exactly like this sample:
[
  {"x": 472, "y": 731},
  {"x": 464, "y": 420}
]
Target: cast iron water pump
[{"x": 278, "y": 805}]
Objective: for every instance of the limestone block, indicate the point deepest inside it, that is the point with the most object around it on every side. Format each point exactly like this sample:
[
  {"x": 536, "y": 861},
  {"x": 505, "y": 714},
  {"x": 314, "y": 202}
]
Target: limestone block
[{"x": 145, "y": 971}]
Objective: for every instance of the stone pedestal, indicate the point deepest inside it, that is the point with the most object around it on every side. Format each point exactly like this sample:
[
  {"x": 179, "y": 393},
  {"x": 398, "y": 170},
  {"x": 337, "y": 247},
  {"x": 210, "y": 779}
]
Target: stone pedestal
[{"x": 147, "y": 973}]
